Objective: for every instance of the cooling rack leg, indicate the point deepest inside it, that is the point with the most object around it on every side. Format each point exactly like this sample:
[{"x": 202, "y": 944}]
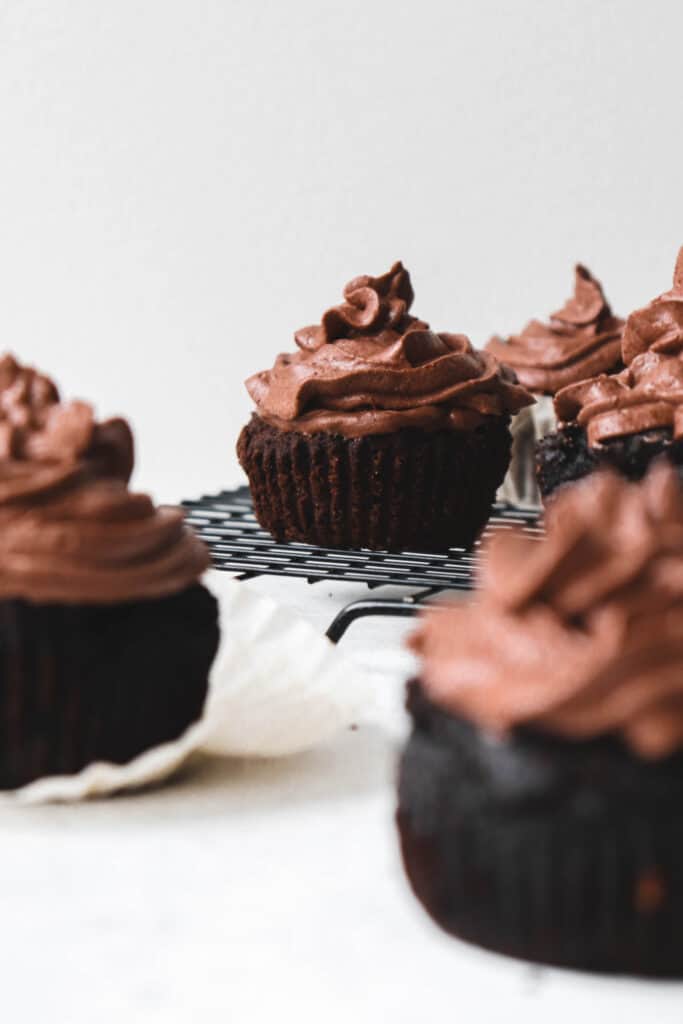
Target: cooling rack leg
[{"x": 369, "y": 606}]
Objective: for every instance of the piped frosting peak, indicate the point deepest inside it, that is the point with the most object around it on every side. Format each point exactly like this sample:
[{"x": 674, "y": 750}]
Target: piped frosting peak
[
  {"x": 371, "y": 367},
  {"x": 578, "y": 635},
  {"x": 71, "y": 532},
  {"x": 648, "y": 393},
  {"x": 658, "y": 327},
  {"x": 581, "y": 339}
]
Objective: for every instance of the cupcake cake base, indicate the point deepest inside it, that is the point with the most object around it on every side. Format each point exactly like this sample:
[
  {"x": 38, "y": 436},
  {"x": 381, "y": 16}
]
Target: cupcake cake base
[
  {"x": 86, "y": 683},
  {"x": 406, "y": 490},
  {"x": 512, "y": 846},
  {"x": 565, "y": 456}
]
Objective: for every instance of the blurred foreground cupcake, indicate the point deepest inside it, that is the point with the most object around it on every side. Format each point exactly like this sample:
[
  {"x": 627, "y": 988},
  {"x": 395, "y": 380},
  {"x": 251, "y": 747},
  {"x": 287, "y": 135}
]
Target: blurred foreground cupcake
[
  {"x": 626, "y": 420},
  {"x": 106, "y": 635},
  {"x": 581, "y": 340},
  {"x": 541, "y": 790},
  {"x": 378, "y": 432}
]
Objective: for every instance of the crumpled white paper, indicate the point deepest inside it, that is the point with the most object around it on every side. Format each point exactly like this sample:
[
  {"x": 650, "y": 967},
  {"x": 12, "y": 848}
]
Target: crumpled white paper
[
  {"x": 280, "y": 686},
  {"x": 277, "y": 687},
  {"x": 528, "y": 427}
]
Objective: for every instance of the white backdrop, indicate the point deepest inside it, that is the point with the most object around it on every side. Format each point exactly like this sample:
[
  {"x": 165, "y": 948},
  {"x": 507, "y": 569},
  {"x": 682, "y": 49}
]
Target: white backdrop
[{"x": 185, "y": 182}]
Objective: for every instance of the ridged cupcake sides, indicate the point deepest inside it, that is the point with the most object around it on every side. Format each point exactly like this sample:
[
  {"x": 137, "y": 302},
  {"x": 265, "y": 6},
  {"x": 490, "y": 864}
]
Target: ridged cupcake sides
[{"x": 406, "y": 490}]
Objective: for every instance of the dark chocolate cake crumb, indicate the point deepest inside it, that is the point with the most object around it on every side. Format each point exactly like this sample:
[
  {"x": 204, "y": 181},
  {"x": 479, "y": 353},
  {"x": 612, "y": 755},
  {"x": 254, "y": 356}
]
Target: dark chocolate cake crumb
[{"x": 565, "y": 456}]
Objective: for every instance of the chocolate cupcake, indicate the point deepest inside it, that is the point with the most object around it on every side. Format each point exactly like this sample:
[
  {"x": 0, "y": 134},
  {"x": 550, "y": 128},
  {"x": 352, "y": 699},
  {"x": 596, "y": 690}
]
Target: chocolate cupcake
[
  {"x": 581, "y": 340},
  {"x": 540, "y": 791},
  {"x": 106, "y": 635},
  {"x": 378, "y": 432},
  {"x": 627, "y": 420}
]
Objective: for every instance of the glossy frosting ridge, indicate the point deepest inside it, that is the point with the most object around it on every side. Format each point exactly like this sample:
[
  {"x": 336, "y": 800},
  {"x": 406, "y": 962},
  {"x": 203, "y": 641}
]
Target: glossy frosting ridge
[
  {"x": 70, "y": 530},
  {"x": 370, "y": 367},
  {"x": 580, "y": 340},
  {"x": 648, "y": 393},
  {"x": 580, "y": 634},
  {"x": 658, "y": 327}
]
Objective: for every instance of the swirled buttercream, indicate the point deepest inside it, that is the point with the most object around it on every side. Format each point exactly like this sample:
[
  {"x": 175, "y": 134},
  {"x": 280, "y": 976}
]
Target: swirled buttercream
[
  {"x": 93, "y": 541},
  {"x": 658, "y": 327},
  {"x": 648, "y": 393},
  {"x": 43, "y": 439},
  {"x": 580, "y": 340},
  {"x": 70, "y": 530},
  {"x": 578, "y": 635},
  {"x": 372, "y": 368}
]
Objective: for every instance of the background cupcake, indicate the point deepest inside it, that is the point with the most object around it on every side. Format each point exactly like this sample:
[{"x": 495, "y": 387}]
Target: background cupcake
[
  {"x": 106, "y": 636},
  {"x": 540, "y": 792},
  {"x": 378, "y": 432},
  {"x": 581, "y": 340},
  {"x": 626, "y": 420}
]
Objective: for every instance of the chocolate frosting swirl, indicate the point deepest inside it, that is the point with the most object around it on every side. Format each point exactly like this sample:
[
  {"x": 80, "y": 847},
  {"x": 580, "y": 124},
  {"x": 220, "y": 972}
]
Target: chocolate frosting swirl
[
  {"x": 582, "y": 339},
  {"x": 70, "y": 530},
  {"x": 42, "y": 438},
  {"x": 648, "y": 394},
  {"x": 579, "y": 635},
  {"x": 658, "y": 327},
  {"x": 372, "y": 368}
]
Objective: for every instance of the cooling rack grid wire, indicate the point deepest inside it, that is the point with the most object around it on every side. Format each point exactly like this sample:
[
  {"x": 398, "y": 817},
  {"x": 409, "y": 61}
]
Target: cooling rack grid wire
[{"x": 237, "y": 543}]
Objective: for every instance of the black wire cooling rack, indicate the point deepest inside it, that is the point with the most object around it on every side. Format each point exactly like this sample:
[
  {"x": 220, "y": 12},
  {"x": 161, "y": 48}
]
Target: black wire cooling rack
[{"x": 227, "y": 524}]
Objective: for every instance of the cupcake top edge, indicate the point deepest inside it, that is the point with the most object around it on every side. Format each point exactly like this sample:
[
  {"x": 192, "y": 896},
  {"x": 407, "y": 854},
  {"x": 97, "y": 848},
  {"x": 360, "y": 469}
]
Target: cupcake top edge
[
  {"x": 70, "y": 529},
  {"x": 658, "y": 326},
  {"x": 581, "y": 339},
  {"x": 37, "y": 429},
  {"x": 371, "y": 367},
  {"x": 577, "y": 635},
  {"x": 648, "y": 393}
]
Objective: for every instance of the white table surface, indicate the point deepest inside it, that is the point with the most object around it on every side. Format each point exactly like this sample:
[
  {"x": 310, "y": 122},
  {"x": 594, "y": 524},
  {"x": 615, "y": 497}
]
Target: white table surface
[{"x": 262, "y": 891}]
